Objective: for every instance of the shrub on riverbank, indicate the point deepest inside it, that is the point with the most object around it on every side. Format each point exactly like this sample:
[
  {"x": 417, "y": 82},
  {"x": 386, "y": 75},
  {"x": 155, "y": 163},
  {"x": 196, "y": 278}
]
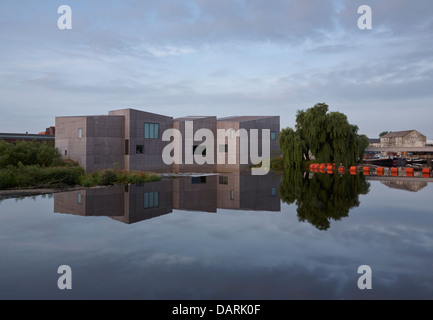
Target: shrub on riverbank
[
  {"x": 115, "y": 176},
  {"x": 39, "y": 177},
  {"x": 28, "y": 153}
]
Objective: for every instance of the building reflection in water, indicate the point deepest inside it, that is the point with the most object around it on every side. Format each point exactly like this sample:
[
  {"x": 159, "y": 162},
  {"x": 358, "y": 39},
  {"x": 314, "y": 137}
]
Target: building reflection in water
[{"x": 134, "y": 203}]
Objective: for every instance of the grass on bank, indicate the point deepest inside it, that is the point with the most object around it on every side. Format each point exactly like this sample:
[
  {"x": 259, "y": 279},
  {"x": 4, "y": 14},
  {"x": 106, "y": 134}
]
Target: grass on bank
[{"x": 35, "y": 176}]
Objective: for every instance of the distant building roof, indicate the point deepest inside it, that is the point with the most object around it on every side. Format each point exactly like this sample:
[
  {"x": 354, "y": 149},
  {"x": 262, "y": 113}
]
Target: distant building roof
[
  {"x": 374, "y": 140},
  {"x": 244, "y": 118},
  {"x": 396, "y": 134},
  {"x": 192, "y": 118},
  {"x": 25, "y": 136}
]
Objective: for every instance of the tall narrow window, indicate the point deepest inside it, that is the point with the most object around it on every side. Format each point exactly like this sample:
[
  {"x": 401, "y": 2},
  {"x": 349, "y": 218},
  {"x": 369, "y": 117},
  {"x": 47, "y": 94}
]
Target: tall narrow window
[
  {"x": 232, "y": 134},
  {"x": 126, "y": 147},
  {"x": 232, "y": 194},
  {"x": 273, "y": 135},
  {"x": 80, "y": 133}
]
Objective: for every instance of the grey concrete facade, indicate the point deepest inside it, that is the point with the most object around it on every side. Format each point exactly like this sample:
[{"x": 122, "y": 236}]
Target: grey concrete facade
[
  {"x": 140, "y": 152},
  {"x": 131, "y": 139},
  {"x": 95, "y": 142},
  {"x": 207, "y": 193},
  {"x": 238, "y": 144}
]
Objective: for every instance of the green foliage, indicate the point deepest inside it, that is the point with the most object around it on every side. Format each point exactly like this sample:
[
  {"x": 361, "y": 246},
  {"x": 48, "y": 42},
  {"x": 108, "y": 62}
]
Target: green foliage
[
  {"x": 383, "y": 133},
  {"x": 322, "y": 197},
  {"x": 29, "y": 153},
  {"x": 35, "y": 176},
  {"x": 327, "y": 136},
  {"x": 108, "y": 177}
]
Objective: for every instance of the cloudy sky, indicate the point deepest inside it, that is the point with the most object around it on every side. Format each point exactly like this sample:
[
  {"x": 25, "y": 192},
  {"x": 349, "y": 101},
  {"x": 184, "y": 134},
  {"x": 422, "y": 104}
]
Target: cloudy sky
[{"x": 218, "y": 57}]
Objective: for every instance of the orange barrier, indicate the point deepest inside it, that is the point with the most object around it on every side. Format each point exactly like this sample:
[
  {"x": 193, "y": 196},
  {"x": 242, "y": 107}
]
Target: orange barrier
[
  {"x": 353, "y": 168},
  {"x": 425, "y": 171},
  {"x": 341, "y": 169},
  {"x": 379, "y": 171},
  {"x": 409, "y": 172},
  {"x": 394, "y": 172}
]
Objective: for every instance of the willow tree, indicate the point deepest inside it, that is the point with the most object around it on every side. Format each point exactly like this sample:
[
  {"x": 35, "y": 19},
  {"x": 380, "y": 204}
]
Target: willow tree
[
  {"x": 329, "y": 137},
  {"x": 322, "y": 198}
]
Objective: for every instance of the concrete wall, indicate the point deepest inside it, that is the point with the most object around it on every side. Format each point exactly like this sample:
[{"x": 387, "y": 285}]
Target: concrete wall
[
  {"x": 234, "y": 153},
  {"x": 195, "y": 193},
  {"x": 135, "y": 209},
  {"x": 107, "y": 201},
  {"x": 67, "y": 141},
  {"x": 100, "y": 144},
  {"x": 151, "y": 158},
  {"x": 188, "y": 143},
  {"x": 113, "y": 140},
  {"x": 244, "y": 191},
  {"x": 105, "y": 142}
]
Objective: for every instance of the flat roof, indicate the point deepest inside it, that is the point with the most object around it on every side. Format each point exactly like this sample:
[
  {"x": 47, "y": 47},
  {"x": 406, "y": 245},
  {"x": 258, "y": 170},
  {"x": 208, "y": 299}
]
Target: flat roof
[
  {"x": 25, "y": 136},
  {"x": 192, "y": 118},
  {"x": 244, "y": 118}
]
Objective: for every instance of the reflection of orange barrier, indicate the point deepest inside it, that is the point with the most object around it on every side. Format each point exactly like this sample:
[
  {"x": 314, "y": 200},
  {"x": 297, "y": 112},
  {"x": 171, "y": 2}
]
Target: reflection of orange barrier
[
  {"x": 341, "y": 169},
  {"x": 394, "y": 172},
  {"x": 366, "y": 170},
  {"x": 379, "y": 171},
  {"x": 409, "y": 172},
  {"x": 426, "y": 175}
]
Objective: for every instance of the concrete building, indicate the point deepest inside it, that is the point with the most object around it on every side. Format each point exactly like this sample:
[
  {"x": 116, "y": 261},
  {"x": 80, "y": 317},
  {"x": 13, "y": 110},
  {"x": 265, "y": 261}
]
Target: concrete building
[
  {"x": 408, "y": 138},
  {"x": 237, "y": 140},
  {"x": 133, "y": 140},
  {"x": 206, "y": 193}
]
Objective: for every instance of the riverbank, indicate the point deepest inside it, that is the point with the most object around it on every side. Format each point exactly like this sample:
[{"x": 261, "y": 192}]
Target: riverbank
[{"x": 30, "y": 192}]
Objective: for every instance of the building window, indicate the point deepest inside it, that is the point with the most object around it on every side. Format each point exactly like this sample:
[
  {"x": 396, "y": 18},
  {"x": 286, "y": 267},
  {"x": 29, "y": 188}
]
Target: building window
[
  {"x": 151, "y": 200},
  {"x": 79, "y": 198},
  {"x": 139, "y": 149},
  {"x": 196, "y": 180},
  {"x": 200, "y": 150},
  {"x": 273, "y": 135},
  {"x": 80, "y": 133},
  {"x": 224, "y": 148},
  {"x": 66, "y": 152},
  {"x": 126, "y": 147},
  {"x": 232, "y": 134},
  {"x": 151, "y": 130},
  {"x": 232, "y": 194},
  {"x": 223, "y": 179},
  {"x": 273, "y": 192}
]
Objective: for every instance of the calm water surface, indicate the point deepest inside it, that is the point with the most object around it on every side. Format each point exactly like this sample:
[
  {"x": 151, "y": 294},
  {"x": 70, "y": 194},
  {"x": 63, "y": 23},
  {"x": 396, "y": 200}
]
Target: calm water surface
[{"x": 222, "y": 237}]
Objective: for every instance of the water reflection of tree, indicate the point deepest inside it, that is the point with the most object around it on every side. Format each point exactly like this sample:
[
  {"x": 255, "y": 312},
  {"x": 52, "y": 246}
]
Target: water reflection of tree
[{"x": 323, "y": 196}]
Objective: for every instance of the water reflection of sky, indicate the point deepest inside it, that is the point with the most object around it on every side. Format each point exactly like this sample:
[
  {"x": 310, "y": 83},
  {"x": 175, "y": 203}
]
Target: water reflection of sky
[{"x": 230, "y": 254}]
